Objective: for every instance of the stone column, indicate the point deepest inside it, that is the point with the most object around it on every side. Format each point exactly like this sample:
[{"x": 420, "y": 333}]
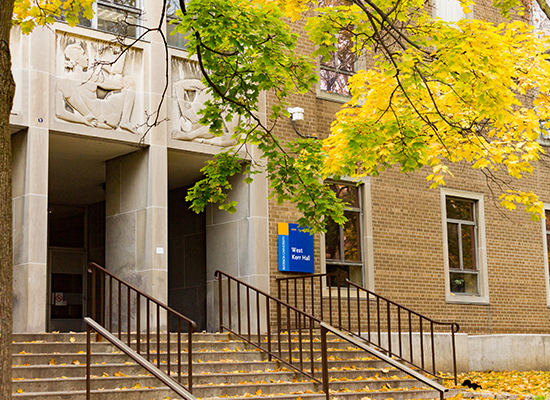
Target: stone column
[
  {"x": 136, "y": 213},
  {"x": 30, "y": 194},
  {"x": 30, "y": 229},
  {"x": 238, "y": 244}
]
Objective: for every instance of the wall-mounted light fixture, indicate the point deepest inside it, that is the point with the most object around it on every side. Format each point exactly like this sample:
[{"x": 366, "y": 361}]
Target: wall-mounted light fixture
[{"x": 297, "y": 114}]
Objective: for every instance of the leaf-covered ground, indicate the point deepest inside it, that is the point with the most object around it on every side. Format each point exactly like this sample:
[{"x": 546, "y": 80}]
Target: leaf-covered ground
[{"x": 535, "y": 383}]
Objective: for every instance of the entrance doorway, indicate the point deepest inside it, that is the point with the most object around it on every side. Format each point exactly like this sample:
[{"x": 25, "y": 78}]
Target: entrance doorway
[{"x": 66, "y": 268}]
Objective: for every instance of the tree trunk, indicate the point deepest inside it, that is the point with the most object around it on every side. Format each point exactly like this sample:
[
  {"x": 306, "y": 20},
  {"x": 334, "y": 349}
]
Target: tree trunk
[{"x": 7, "y": 91}]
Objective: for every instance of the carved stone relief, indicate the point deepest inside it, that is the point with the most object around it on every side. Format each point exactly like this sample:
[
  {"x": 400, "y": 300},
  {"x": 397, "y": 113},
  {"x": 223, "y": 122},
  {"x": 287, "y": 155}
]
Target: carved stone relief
[
  {"x": 189, "y": 95},
  {"x": 95, "y": 83}
]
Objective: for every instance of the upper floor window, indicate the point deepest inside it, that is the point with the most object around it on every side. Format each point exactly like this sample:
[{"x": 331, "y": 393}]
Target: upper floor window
[
  {"x": 343, "y": 250},
  {"x": 449, "y": 10},
  {"x": 118, "y": 17},
  {"x": 336, "y": 69},
  {"x": 174, "y": 39}
]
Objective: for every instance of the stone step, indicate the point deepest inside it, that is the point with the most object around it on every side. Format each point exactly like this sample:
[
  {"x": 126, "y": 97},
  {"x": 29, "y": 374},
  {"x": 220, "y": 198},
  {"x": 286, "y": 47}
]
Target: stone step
[
  {"x": 369, "y": 367},
  {"x": 162, "y": 393},
  {"x": 81, "y": 337},
  {"x": 240, "y": 385},
  {"x": 230, "y": 356},
  {"x": 200, "y": 346},
  {"x": 205, "y": 376},
  {"x": 223, "y": 366}
]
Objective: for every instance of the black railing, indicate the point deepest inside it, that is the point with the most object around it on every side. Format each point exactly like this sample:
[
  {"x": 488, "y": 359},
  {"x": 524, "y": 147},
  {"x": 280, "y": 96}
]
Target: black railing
[
  {"x": 370, "y": 317},
  {"x": 176, "y": 387},
  {"x": 127, "y": 312},
  {"x": 244, "y": 309}
]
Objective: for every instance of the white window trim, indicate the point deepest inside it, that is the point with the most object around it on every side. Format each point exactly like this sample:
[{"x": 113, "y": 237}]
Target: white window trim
[
  {"x": 545, "y": 244},
  {"x": 437, "y": 14},
  {"x": 367, "y": 241},
  {"x": 483, "y": 297}
]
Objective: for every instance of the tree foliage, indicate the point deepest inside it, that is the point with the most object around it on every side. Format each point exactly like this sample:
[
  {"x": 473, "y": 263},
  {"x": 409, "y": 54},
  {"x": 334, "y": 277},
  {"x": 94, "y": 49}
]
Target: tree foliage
[
  {"x": 31, "y": 13},
  {"x": 438, "y": 93}
]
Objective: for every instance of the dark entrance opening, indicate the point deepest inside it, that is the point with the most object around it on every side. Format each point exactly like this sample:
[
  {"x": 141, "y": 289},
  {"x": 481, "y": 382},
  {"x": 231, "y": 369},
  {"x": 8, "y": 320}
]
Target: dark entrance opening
[{"x": 186, "y": 258}]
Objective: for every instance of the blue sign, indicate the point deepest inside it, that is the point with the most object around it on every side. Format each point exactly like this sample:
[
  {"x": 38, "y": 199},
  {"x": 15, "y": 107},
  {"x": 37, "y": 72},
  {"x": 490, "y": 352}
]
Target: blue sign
[{"x": 295, "y": 249}]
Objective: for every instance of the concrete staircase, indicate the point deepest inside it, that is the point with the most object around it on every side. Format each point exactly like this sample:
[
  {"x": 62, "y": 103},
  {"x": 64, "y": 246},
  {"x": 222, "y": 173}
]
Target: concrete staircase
[{"x": 52, "y": 367}]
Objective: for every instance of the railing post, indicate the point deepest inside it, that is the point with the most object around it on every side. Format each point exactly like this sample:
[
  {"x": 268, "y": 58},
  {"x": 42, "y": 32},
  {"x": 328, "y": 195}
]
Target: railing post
[
  {"x": 190, "y": 358},
  {"x": 88, "y": 362},
  {"x": 268, "y": 312},
  {"x": 454, "y": 351},
  {"x": 93, "y": 272},
  {"x": 324, "y": 361},
  {"x": 220, "y": 301}
]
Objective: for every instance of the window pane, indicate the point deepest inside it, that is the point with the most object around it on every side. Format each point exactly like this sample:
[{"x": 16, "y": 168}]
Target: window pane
[
  {"x": 176, "y": 39},
  {"x": 116, "y": 21},
  {"x": 468, "y": 247},
  {"x": 460, "y": 209},
  {"x": 334, "y": 82},
  {"x": 349, "y": 194},
  {"x": 452, "y": 240},
  {"x": 129, "y": 3},
  {"x": 356, "y": 274},
  {"x": 352, "y": 249},
  {"x": 332, "y": 241},
  {"x": 547, "y": 214},
  {"x": 548, "y": 248},
  {"x": 352, "y": 272},
  {"x": 463, "y": 283},
  {"x": 343, "y": 58},
  {"x": 332, "y": 281}
]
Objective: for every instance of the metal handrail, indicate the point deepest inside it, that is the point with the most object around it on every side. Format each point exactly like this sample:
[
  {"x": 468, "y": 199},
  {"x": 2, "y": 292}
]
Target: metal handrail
[
  {"x": 382, "y": 316},
  {"x": 167, "y": 380},
  {"x": 244, "y": 332},
  {"x": 111, "y": 299},
  {"x": 415, "y": 374},
  {"x": 286, "y": 315}
]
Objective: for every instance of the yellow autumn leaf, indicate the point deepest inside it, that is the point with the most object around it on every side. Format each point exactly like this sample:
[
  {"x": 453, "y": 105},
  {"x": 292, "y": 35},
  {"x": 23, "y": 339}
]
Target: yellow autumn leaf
[
  {"x": 53, "y": 362},
  {"x": 72, "y": 339}
]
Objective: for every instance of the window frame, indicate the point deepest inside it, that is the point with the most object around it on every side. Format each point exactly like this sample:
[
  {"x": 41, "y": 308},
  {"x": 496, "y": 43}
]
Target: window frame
[
  {"x": 545, "y": 258},
  {"x": 436, "y": 13},
  {"x": 366, "y": 238},
  {"x": 331, "y": 96},
  {"x": 481, "y": 254},
  {"x": 138, "y": 11}
]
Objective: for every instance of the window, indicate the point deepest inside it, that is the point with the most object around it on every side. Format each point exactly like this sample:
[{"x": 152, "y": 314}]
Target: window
[
  {"x": 336, "y": 70},
  {"x": 464, "y": 244},
  {"x": 449, "y": 10},
  {"x": 176, "y": 39},
  {"x": 546, "y": 241},
  {"x": 343, "y": 244},
  {"x": 118, "y": 17}
]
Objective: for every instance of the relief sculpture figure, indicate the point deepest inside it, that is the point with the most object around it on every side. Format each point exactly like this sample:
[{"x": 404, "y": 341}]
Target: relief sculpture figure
[
  {"x": 191, "y": 95},
  {"x": 99, "y": 96}
]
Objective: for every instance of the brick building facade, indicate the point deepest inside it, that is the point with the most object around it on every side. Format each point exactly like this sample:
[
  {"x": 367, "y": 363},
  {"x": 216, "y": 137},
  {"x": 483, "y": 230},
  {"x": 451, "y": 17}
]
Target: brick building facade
[{"x": 87, "y": 189}]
